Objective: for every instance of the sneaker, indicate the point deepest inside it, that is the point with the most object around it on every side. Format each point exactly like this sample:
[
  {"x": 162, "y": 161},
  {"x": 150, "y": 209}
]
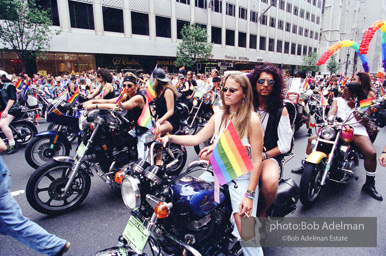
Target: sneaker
[
  {"x": 64, "y": 249},
  {"x": 11, "y": 149}
]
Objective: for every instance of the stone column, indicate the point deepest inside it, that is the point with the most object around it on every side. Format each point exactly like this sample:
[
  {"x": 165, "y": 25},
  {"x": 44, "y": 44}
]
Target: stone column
[
  {"x": 174, "y": 22},
  {"x": 127, "y": 18},
  {"x": 209, "y": 26},
  {"x": 237, "y": 25},
  {"x": 223, "y": 29},
  {"x": 248, "y": 24},
  {"x": 64, "y": 15},
  {"x": 152, "y": 25},
  {"x": 98, "y": 17}
]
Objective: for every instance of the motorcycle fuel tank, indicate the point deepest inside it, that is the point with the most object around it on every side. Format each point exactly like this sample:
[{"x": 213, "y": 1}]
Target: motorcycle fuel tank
[{"x": 194, "y": 196}]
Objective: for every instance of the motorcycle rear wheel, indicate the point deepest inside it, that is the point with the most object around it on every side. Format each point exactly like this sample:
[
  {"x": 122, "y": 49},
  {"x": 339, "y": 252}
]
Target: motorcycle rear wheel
[
  {"x": 310, "y": 183},
  {"x": 38, "y": 151},
  {"x": 44, "y": 188},
  {"x": 26, "y": 131},
  {"x": 116, "y": 251}
]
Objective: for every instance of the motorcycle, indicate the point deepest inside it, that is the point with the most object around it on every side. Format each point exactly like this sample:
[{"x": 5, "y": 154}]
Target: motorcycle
[
  {"x": 333, "y": 157},
  {"x": 23, "y": 130},
  {"x": 57, "y": 140},
  {"x": 106, "y": 147},
  {"x": 200, "y": 113},
  {"x": 303, "y": 113}
]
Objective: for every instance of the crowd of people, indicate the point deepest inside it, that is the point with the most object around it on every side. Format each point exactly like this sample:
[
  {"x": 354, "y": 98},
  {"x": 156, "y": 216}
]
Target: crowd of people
[{"x": 253, "y": 102}]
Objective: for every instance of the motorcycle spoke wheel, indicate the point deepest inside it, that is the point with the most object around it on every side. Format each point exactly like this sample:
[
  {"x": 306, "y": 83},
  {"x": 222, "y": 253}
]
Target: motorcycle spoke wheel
[
  {"x": 44, "y": 189},
  {"x": 310, "y": 183},
  {"x": 26, "y": 134},
  {"x": 39, "y": 152}
]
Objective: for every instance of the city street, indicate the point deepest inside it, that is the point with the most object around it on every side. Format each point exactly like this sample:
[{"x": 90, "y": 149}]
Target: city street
[{"x": 101, "y": 218}]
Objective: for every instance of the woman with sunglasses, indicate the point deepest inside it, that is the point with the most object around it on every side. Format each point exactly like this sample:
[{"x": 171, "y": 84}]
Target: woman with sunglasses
[
  {"x": 134, "y": 102},
  {"x": 237, "y": 98},
  {"x": 105, "y": 89},
  {"x": 268, "y": 87}
]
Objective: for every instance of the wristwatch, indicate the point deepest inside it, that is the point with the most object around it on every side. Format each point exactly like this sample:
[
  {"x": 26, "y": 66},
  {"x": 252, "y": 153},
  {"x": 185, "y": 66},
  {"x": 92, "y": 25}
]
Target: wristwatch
[{"x": 250, "y": 193}]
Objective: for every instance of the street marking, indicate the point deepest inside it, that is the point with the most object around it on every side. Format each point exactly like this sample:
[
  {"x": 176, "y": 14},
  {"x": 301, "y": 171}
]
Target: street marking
[{"x": 17, "y": 193}]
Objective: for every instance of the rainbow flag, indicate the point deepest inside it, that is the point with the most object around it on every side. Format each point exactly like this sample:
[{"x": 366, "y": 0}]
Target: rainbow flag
[
  {"x": 191, "y": 87},
  {"x": 19, "y": 84},
  {"x": 365, "y": 104},
  {"x": 383, "y": 91},
  {"x": 103, "y": 91},
  {"x": 150, "y": 92},
  {"x": 182, "y": 69},
  {"x": 229, "y": 158},
  {"x": 305, "y": 85},
  {"x": 213, "y": 96},
  {"x": 74, "y": 97},
  {"x": 120, "y": 97},
  {"x": 144, "y": 119},
  {"x": 323, "y": 101}
]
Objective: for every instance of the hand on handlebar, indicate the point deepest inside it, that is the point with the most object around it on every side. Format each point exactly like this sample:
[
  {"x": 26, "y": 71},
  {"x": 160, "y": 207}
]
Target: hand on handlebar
[{"x": 206, "y": 152}]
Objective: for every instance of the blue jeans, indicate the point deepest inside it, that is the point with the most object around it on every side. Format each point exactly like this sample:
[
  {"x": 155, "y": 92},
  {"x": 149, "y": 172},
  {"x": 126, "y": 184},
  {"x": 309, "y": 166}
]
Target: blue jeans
[{"x": 14, "y": 224}]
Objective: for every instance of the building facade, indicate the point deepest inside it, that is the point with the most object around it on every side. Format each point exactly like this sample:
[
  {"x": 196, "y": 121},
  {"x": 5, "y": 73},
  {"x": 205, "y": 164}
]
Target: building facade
[
  {"x": 138, "y": 34},
  {"x": 349, "y": 20}
]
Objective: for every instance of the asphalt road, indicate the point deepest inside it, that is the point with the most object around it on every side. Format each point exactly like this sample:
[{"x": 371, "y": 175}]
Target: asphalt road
[{"x": 101, "y": 218}]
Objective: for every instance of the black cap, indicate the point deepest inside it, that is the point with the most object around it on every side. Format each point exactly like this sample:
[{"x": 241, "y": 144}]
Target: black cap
[
  {"x": 130, "y": 79},
  {"x": 216, "y": 79},
  {"x": 160, "y": 74}
]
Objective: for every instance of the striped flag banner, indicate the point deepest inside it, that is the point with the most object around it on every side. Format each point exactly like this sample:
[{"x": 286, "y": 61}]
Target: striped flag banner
[
  {"x": 305, "y": 85},
  {"x": 229, "y": 158},
  {"x": 19, "y": 84},
  {"x": 213, "y": 96},
  {"x": 150, "y": 92},
  {"x": 74, "y": 97},
  {"x": 365, "y": 104},
  {"x": 119, "y": 100},
  {"x": 182, "y": 69},
  {"x": 145, "y": 119},
  {"x": 383, "y": 91},
  {"x": 323, "y": 101}
]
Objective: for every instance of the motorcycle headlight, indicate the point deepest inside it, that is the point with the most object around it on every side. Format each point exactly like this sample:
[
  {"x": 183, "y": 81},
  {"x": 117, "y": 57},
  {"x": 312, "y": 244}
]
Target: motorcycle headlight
[
  {"x": 327, "y": 133},
  {"x": 82, "y": 121},
  {"x": 195, "y": 102},
  {"x": 130, "y": 192}
]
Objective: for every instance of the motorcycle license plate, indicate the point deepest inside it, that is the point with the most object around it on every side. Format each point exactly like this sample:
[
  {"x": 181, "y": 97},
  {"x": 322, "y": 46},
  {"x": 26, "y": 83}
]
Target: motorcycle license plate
[
  {"x": 136, "y": 234},
  {"x": 81, "y": 149}
]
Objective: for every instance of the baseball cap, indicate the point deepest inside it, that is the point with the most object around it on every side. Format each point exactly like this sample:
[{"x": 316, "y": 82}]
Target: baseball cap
[
  {"x": 3, "y": 73},
  {"x": 216, "y": 79}
]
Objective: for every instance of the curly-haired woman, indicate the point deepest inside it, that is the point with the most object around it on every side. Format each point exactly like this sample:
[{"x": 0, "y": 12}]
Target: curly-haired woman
[{"x": 105, "y": 89}]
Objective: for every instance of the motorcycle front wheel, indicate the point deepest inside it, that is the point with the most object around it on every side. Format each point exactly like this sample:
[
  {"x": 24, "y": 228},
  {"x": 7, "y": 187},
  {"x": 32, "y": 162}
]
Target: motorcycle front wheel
[
  {"x": 310, "y": 183},
  {"x": 44, "y": 188},
  {"x": 192, "y": 125},
  {"x": 39, "y": 151}
]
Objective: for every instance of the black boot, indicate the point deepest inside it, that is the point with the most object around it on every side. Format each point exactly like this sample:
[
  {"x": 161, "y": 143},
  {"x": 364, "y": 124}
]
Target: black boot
[
  {"x": 309, "y": 132},
  {"x": 369, "y": 188},
  {"x": 299, "y": 170}
]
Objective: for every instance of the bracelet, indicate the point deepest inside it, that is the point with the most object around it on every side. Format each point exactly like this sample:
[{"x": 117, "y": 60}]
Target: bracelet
[
  {"x": 170, "y": 137},
  {"x": 160, "y": 122},
  {"x": 267, "y": 156},
  {"x": 249, "y": 196},
  {"x": 96, "y": 105},
  {"x": 383, "y": 152}
]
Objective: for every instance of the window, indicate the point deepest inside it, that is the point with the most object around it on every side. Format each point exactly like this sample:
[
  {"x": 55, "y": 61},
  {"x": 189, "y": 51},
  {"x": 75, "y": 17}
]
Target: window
[
  {"x": 112, "y": 19},
  {"x": 316, "y": 36},
  {"x": 279, "y": 46},
  {"x": 289, "y": 7},
  {"x": 263, "y": 19},
  {"x": 309, "y": 50},
  {"x": 309, "y": 1},
  {"x": 53, "y": 6},
  {"x": 286, "y": 47},
  {"x": 299, "y": 52},
  {"x": 242, "y": 39},
  {"x": 319, "y": 4},
  {"x": 307, "y": 16},
  {"x": 317, "y": 20},
  {"x": 282, "y": 4},
  {"x": 306, "y": 32},
  {"x": 311, "y": 34},
  {"x": 140, "y": 23},
  {"x": 254, "y": 16},
  {"x": 313, "y": 17},
  {"x": 263, "y": 43},
  {"x": 216, "y": 35},
  {"x": 230, "y": 9},
  {"x": 314, "y": 2},
  {"x": 252, "y": 41},
  {"x": 183, "y": 1},
  {"x": 230, "y": 37},
  {"x": 300, "y": 31},
  {"x": 294, "y": 29},
  {"x": 304, "y": 50},
  {"x": 280, "y": 24},
  {"x": 265, "y": 1},
  {"x": 201, "y": 4},
  {"x": 216, "y": 6},
  {"x": 242, "y": 13},
  {"x": 163, "y": 27},
  {"x": 288, "y": 27},
  {"x": 271, "y": 44},
  {"x": 81, "y": 15},
  {"x": 301, "y": 13},
  {"x": 296, "y": 10},
  {"x": 293, "y": 49},
  {"x": 180, "y": 25},
  {"x": 273, "y": 3},
  {"x": 272, "y": 22},
  {"x": 315, "y": 50}
]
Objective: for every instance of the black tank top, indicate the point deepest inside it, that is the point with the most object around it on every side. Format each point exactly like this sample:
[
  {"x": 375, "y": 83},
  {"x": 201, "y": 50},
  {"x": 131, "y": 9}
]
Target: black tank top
[
  {"x": 135, "y": 113},
  {"x": 110, "y": 95},
  {"x": 161, "y": 108}
]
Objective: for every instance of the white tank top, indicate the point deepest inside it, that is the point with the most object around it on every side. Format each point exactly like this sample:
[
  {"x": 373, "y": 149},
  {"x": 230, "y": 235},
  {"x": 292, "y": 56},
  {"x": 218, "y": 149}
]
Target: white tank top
[
  {"x": 343, "y": 111},
  {"x": 219, "y": 130}
]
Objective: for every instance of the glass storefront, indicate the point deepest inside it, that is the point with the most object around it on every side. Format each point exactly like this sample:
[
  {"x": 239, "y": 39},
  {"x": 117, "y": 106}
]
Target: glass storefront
[{"x": 10, "y": 63}]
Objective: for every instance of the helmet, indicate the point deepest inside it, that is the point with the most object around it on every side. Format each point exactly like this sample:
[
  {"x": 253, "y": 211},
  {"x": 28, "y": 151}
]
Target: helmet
[
  {"x": 347, "y": 134},
  {"x": 160, "y": 75}
]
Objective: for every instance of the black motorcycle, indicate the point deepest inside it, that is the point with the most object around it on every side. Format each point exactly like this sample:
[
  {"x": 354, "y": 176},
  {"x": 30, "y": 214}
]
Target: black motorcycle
[
  {"x": 200, "y": 113},
  {"x": 23, "y": 130}
]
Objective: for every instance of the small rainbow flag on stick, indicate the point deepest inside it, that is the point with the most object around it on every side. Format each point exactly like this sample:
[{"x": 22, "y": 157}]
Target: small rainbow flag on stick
[
  {"x": 305, "y": 85},
  {"x": 383, "y": 91},
  {"x": 150, "y": 92},
  {"x": 323, "y": 101},
  {"x": 182, "y": 69},
  {"x": 229, "y": 158},
  {"x": 19, "y": 84},
  {"x": 365, "y": 104},
  {"x": 144, "y": 119},
  {"x": 74, "y": 97},
  {"x": 213, "y": 96},
  {"x": 119, "y": 100}
]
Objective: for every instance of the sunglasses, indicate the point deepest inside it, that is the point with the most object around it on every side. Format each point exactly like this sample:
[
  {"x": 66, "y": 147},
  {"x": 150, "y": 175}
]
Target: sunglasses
[
  {"x": 230, "y": 89},
  {"x": 128, "y": 85},
  {"x": 98, "y": 75},
  {"x": 269, "y": 81}
]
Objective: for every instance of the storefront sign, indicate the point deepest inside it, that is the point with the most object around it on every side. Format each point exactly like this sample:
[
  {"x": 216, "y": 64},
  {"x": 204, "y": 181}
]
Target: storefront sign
[
  {"x": 260, "y": 59},
  {"x": 230, "y": 57},
  {"x": 243, "y": 58},
  {"x": 124, "y": 61},
  {"x": 225, "y": 64},
  {"x": 166, "y": 63}
]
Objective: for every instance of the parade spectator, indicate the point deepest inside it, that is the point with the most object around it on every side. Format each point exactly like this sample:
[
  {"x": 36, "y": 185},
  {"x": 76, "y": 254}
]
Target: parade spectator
[
  {"x": 237, "y": 97},
  {"x": 187, "y": 90},
  {"x": 105, "y": 89},
  {"x": 10, "y": 109},
  {"x": 268, "y": 95}
]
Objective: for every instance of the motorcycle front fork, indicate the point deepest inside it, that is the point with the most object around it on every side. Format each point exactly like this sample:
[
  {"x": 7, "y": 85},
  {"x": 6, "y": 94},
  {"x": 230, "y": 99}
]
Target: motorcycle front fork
[{"x": 330, "y": 159}]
